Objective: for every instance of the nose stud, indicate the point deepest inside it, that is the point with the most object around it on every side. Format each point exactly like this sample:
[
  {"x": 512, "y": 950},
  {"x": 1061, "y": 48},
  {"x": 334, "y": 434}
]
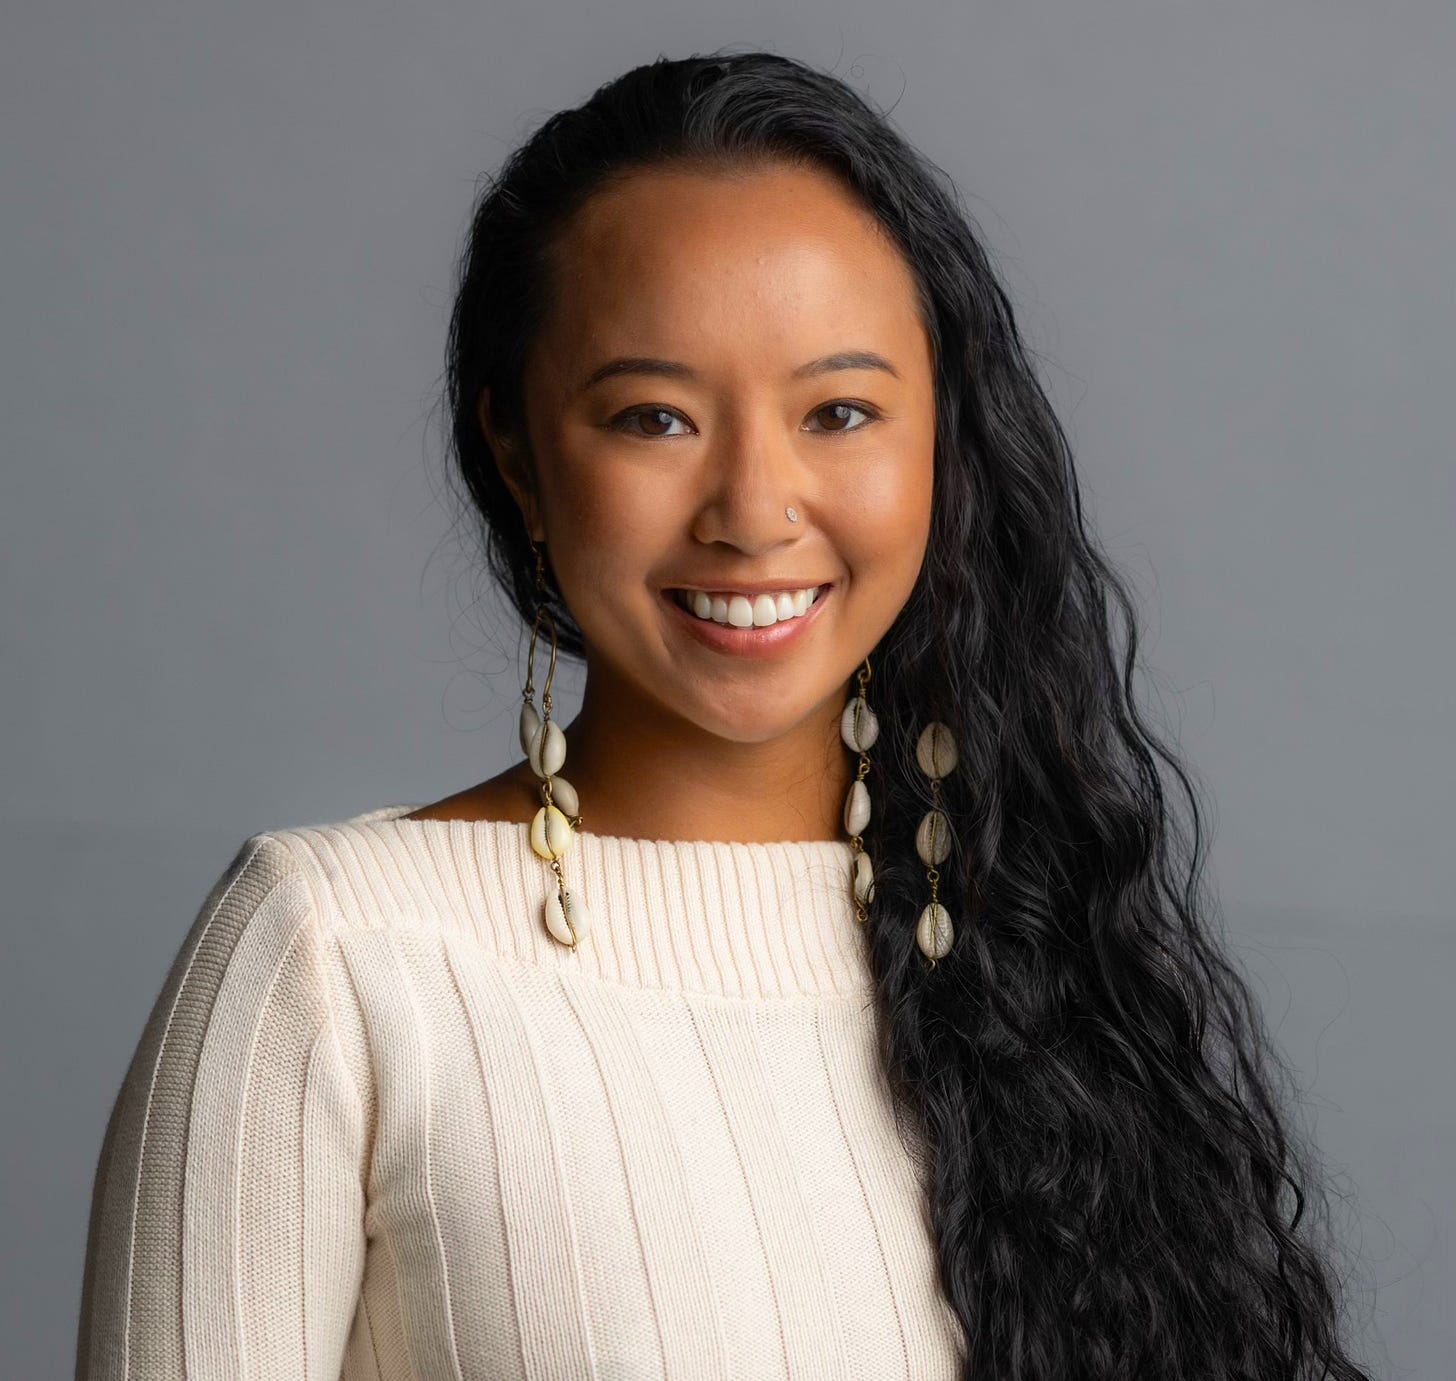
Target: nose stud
[{"x": 792, "y": 516}]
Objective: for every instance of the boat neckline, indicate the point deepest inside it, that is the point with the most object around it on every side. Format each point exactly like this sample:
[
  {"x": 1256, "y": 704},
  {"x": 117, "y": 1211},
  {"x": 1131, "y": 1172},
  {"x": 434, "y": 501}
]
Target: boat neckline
[{"x": 399, "y": 815}]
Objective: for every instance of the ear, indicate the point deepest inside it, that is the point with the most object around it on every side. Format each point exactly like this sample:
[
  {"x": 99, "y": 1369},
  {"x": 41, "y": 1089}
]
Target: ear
[{"x": 514, "y": 467}]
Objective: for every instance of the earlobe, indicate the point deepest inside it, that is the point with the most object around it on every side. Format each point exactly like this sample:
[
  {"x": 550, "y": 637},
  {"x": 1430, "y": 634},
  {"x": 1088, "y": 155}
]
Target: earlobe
[
  {"x": 509, "y": 462},
  {"x": 485, "y": 422}
]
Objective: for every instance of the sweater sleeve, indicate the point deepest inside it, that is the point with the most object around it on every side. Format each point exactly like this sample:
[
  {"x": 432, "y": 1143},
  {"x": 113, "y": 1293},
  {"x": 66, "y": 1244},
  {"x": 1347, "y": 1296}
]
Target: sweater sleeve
[{"x": 226, "y": 1235}]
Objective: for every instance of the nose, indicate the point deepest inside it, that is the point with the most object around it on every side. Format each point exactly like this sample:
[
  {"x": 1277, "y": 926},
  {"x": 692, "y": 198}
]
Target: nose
[{"x": 753, "y": 475}]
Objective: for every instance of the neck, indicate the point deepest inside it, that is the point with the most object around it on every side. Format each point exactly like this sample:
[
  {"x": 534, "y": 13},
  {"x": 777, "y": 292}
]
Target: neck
[{"x": 645, "y": 774}]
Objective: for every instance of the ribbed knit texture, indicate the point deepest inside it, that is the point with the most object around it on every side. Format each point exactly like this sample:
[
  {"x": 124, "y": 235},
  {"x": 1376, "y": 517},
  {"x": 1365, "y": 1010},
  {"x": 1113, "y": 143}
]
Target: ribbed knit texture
[{"x": 381, "y": 1125}]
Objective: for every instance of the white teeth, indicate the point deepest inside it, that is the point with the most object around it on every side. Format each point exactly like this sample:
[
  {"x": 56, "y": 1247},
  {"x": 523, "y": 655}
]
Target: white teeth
[{"x": 738, "y": 611}]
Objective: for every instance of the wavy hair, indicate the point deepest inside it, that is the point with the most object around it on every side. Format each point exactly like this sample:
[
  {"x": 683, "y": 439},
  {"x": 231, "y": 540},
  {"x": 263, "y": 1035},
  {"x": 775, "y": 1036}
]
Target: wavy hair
[{"x": 1084, "y": 1083}]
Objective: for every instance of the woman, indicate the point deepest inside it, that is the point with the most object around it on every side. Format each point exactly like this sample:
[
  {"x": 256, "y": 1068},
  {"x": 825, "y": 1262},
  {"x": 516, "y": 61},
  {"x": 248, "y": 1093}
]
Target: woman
[{"x": 874, "y": 1028}]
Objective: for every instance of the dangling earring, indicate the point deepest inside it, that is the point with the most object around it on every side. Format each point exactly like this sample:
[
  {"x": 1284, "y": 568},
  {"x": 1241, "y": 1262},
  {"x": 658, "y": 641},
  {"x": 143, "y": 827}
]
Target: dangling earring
[
  {"x": 936, "y": 754},
  {"x": 859, "y": 728},
  {"x": 558, "y": 819}
]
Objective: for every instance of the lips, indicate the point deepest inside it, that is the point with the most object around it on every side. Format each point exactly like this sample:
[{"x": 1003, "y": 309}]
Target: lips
[
  {"x": 751, "y": 641},
  {"x": 801, "y": 600}
]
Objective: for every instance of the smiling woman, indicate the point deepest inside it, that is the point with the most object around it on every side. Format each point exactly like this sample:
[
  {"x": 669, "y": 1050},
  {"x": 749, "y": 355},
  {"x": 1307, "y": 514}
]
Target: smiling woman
[
  {"x": 738, "y": 336},
  {"x": 877, "y": 1028}
]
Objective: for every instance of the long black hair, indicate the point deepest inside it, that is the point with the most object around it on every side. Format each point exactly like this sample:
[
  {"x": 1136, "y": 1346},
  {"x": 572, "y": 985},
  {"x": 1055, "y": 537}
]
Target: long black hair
[{"x": 1100, "y": 1120}]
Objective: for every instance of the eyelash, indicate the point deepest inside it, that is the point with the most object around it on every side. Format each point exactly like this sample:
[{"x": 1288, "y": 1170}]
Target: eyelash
[{"x": 619, "y": 421}]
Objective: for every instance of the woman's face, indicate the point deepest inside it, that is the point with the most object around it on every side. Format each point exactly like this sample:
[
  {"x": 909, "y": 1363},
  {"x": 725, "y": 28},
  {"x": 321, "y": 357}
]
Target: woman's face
[{"x": 657, "y": 476}]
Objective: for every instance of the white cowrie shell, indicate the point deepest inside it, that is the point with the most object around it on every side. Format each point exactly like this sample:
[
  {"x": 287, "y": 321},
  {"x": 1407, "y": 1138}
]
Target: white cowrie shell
[
  {"x": 936, "y": 750},
  {"x": 575, "y": 911},
  {"x": 869, "y": 726},
  {"x": 530, "y": 722},
  {"x": 864, "y": 878},
  {"x": 856, "y": 808},
  {"x": 548, "y": 749},
  {"x": 932, "y": 838},
  {"x": 563, "y": 794},
  {"x": 551, "y": 833},
  {"x": 934, "y": 932}
]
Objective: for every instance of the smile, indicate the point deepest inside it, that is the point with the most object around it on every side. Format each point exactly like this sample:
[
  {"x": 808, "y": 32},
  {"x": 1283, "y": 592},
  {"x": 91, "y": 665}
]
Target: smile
[
  {"x": 741, "y": 611},
  {"x": 732, "y": 623}
]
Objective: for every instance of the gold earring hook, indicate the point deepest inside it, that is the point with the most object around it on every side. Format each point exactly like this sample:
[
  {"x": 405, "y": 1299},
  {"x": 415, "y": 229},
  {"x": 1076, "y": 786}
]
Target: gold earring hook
[{"x": 542, "y": 612}]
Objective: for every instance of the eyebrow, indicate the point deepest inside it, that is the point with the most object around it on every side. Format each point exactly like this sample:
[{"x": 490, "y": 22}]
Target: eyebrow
[{"x": 674, "y": 369}]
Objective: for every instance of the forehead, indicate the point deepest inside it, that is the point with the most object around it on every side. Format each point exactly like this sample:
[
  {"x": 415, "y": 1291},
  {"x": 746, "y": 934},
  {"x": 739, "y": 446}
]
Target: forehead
[{"x": 708, "y": 263}]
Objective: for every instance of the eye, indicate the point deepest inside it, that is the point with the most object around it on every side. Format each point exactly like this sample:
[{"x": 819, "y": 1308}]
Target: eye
[
  {"x": 841, "y": 407},
  {"x": 654, "y": 420},
  {"x": 653, "y": 415}
]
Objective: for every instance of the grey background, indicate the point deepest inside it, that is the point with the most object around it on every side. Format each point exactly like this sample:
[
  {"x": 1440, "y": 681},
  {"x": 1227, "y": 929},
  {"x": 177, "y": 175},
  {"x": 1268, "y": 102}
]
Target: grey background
[{"x": 231, "y": 601}]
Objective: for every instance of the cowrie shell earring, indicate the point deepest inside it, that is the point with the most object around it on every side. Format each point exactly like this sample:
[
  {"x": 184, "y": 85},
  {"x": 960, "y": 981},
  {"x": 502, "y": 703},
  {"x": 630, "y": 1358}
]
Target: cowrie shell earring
[
  {"x": 936, "y": 755},
  {"x": 556, "y": 822},
  {"x": 859, "y": 728},
  {"x": 935, "y": 752}
]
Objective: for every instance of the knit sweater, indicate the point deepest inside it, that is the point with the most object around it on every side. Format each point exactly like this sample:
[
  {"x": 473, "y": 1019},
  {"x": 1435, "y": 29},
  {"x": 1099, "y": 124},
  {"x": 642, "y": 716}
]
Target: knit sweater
[{"x": 380, "y": 1124}]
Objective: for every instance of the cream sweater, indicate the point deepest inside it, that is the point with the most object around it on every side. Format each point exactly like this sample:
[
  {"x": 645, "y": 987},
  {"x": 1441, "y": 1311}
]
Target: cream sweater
[{"x": 381, "y": 1125}]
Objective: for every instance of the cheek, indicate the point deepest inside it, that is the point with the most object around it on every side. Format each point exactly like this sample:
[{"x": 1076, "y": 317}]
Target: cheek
[
  {"x": 610, "y": 529},
  {"x": 883, "y": 517}
]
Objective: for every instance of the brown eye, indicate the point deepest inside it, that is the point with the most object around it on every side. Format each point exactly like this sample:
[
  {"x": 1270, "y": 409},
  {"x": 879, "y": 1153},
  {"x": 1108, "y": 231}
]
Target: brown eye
[
  {"x": 838, "y": 415},
  {"x": 651, "y": 418}
]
